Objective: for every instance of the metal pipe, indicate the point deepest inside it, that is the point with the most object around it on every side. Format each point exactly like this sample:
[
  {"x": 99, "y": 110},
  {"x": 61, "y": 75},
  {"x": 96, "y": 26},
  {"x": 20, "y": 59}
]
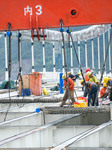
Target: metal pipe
[
  {"x": 6, "y": 62},
  {"x": 81, "y": 136},
  {"x": 32, "y": 51},
  {"x": 79, "y": 52},
  {"x": 86, "y": 62},
  {"x": 54, "y": 69},
  {"x": 104, "y": 50},
  {"x": 18, "y": 136},
  {"x": 98, "y": 54},
  {"x": 12, "y": 120},
  {"x": 71, "y": 54},
  {"x": 44, "y": 69},
  {"x": 92, "y": 44},
  {"x": 109, "y": 53}
]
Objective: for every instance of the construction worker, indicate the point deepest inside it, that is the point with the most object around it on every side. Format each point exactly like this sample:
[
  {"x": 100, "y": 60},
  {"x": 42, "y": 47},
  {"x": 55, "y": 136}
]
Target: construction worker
[
  {"x": 74, "y": 77},
  {"x": 92, "y": 78},
  {"x": 86, "y": 77},
  {"x": 70, "y": 88},
  {"x": 90, "y": 88},
  {"x": 103, "y": 91},
  {"x": 108, "y": 81}
]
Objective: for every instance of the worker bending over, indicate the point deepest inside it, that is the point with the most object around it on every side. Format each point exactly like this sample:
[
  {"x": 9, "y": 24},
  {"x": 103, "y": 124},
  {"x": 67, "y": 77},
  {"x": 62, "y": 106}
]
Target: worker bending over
[
  {"x": 90, "y": 89},
  {"x": 74, "y": 77},
  {"x": 70, "y": 88},
  {"x": 92, "y": 78},
  {"x": 103, "y": 91}
]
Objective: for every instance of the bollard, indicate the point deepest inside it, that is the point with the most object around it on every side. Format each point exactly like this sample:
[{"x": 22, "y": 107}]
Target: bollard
[{"x": 61, "y": 84}]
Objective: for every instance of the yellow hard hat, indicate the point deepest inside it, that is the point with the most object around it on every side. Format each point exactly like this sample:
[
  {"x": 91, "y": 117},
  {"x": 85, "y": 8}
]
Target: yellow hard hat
[
  {"x": 105, "y": 80},
  {"x": 81, "y": 82},
  {"x": 88, "y": 73},
  {"x": 79, "y": 73},
  {"x": 63, "y": 76},
  {"x": 104, "y": 84},
  {"x": 69, "y": 73}
]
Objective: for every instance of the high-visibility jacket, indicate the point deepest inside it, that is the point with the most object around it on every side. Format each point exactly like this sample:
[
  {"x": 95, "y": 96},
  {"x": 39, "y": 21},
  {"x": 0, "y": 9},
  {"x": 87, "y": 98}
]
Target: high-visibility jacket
[
  {"x": 87, "y": 78},
  {"x": 103, "y": 91},
  {"x": 94, "y": 79},
  {"x": 70, "y": 82}
]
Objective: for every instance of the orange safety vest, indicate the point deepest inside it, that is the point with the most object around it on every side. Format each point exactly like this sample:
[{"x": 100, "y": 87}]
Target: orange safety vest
[
  {"x": 87, "y": 78},
  {"x": 102, "y": 91}
]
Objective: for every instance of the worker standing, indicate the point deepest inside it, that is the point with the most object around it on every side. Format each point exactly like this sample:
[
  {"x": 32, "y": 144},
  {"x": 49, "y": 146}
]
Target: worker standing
[
  {"x": 74, "y": 77},
  {"x": 92, "y": 78},
  {"x": 103, "y": 91},
  {"x": 90, "y": 88},
  {"x": 70, "y": 88},
  {"x": 86, "y": 77}
]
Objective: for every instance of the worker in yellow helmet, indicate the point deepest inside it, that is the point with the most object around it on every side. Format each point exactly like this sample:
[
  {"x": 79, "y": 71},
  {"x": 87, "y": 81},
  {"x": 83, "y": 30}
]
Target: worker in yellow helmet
[
  {"x": 70, "y": 88},
  {"x": 92, "y": 78},
  {"x": 103, "y": 91},
  {"x": 74, "y": 77},
  {"x": 108, "y": 81}
]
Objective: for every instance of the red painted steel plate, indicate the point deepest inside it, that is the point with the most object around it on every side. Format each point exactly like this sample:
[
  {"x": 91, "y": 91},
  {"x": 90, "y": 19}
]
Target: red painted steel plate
[{"x": 24, "y": 14}]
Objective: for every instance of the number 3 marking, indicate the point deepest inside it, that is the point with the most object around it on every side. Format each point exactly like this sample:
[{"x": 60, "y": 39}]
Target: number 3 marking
[{"x": 39, "y": 9}]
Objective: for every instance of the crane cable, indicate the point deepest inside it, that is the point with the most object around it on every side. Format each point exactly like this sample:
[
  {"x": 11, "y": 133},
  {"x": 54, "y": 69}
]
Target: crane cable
[
  {"x": 69, "y": 49},
  {"x": 65, "y": 65},
  {"x": 76, "y": 56}
]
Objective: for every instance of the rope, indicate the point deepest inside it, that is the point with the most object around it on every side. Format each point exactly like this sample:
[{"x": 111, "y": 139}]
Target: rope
[
  {"x": 77, "y": 57},
  {"x": 65, "y": 65},
  {"x": 68, "y": 31}
]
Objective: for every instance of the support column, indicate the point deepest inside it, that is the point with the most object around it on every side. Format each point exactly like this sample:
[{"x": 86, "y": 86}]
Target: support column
[
  {"x": 92, "y": 44},
  {"x": 109, "y": 53},
  {"x": 79, "y": 52},
  {"x": 32, "y": 51},
  {"x": 71, "y": 57},
  {"x": 54, "y": 69},
  {"x": 6, "y": 63},
  {"x": 63, "y": 59},
  {"x": 98, "y": 54},
  {"x": 104, "y": 51},
  {"x": 86, "y": 54},
  {"x": 44, "y": 69}
]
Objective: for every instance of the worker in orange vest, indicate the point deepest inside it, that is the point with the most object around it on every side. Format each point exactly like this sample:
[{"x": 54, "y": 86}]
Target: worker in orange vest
[
  {"x": 86, "y": 77},
  {"x": 92, "y": 78},
  {"x": 103, "y": 91},
  {"x": 70, "y": 88},
  {"x": 90, "y": 89}
]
